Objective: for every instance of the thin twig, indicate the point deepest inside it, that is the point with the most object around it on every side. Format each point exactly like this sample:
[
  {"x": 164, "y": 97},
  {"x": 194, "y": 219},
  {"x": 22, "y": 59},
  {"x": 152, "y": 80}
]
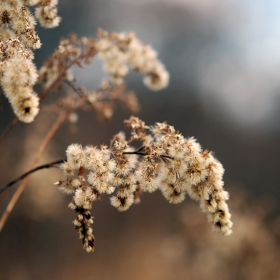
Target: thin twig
[
  {"x": 144, "y": 154},
  {"x": 135, "y": 153},
  {"x": 78, "y": 90},
  {"x": 61, "y": 118},
  {"x": 61, "y": 74},
  {"x": 81, "y": 92},
  {"x": 47, "y": 165}
]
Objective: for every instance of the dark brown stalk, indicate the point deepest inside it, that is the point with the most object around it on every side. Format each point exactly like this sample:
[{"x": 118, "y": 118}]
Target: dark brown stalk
[
  {"x": 44, "y": 166},
  {"x": 144, "y": 154}
]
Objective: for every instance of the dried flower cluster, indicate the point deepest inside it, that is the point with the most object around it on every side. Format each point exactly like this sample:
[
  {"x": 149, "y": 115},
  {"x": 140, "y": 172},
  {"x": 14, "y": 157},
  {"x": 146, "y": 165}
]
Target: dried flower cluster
[
  {"x": 119, "y": 51},
  {"x": 18, "y": 74},
  {"x": 166, "y": 161},
  {"x": 46, "y": 12}
]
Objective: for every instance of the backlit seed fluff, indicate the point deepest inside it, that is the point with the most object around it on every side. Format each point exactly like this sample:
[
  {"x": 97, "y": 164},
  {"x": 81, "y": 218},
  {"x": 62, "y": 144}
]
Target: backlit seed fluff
[
  {"x": 19, "y": 72},
  {"x": 171, "y": 194},
  {"x": 19, "y": 75},
  {"x": 26, "y": 106},
  {"x": 66, "y": 188},
  {"x": 122, "y": 203},
  {"x": 47, "y": 16},
  {"x": 75, "y": 156}
]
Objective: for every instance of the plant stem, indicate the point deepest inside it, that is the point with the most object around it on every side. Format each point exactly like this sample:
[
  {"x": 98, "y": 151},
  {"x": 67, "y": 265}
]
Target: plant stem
[
  {"x": 144, "y": 154},
  {"x": 61, "y": 118},
  {"x": 21, "y": 177}
]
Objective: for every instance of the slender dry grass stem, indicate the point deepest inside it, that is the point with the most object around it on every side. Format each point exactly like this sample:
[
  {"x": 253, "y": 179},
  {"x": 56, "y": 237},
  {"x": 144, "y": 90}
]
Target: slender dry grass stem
[{"x": 59, "y": 121}]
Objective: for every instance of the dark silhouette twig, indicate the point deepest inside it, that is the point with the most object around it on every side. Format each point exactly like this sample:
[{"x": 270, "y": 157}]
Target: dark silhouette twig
[{"x": 47, "y": 165}]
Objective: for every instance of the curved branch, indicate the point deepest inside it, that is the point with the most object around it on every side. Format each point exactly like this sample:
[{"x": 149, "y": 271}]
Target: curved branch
[{"x": 47, "y": 165}]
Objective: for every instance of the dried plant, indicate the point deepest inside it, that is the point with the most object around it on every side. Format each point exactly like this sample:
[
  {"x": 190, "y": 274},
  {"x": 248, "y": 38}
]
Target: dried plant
[{"x": 165, "y": 159}]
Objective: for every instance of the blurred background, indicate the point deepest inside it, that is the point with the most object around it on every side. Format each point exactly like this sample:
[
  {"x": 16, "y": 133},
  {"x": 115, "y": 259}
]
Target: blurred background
[{"x": 224, "y": 61}]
